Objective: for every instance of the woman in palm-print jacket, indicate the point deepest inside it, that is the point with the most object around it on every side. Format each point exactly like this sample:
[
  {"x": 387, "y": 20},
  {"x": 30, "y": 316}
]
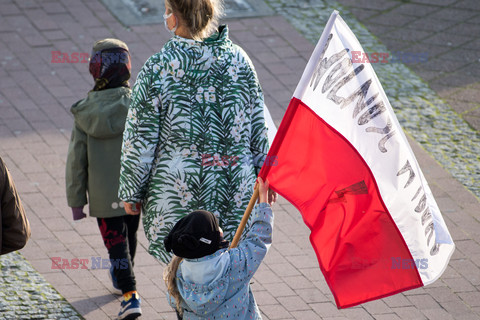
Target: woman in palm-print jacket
[{"x": 195, "y": 136}]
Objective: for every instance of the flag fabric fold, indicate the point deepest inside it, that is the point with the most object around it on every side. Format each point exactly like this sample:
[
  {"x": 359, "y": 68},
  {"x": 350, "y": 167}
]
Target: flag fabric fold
[{"x": 342, "y": 159}]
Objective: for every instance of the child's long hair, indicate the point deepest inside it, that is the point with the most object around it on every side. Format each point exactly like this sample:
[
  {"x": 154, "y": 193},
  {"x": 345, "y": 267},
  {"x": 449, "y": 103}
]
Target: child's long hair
[{"x": 170, "y": 277}]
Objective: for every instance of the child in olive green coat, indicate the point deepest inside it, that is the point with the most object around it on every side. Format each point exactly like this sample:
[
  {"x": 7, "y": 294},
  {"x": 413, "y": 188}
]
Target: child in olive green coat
[{"x": 93, "y": 164}]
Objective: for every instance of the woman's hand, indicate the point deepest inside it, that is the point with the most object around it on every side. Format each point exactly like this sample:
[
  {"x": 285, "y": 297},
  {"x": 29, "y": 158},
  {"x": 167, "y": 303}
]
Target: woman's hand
[{"x": 133, "y": 209}]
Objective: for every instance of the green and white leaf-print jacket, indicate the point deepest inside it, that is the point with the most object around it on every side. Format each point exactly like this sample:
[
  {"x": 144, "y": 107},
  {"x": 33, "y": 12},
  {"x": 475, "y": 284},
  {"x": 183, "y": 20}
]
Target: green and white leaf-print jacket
[{"x": 195, "y": 136}]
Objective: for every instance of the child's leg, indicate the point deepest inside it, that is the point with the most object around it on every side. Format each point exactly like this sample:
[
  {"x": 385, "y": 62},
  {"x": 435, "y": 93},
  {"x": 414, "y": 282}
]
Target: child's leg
[
  {"x": 132, "y": 227},
  {"x": 115, "y": 233}
]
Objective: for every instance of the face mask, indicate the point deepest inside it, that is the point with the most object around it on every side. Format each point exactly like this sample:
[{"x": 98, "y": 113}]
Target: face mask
[{"x": 165, "y": 17}]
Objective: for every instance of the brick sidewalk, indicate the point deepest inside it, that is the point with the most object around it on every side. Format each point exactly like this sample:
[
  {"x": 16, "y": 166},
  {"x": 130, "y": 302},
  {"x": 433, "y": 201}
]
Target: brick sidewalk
[{"x": 35, "y": 124}]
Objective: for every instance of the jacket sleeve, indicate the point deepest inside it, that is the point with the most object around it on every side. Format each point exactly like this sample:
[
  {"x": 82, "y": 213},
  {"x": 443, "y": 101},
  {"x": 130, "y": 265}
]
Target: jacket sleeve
[
  {"x": 251, "y": 251},
  {"x": 76, "y": 171},
  {"x": 259, "y": 138},
  {"x": 14, "y": 225},
  {"x": 140, "y": 138}
]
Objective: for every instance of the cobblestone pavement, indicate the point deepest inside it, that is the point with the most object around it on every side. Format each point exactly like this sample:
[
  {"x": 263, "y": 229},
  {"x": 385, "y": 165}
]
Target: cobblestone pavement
[
  {"x": 26, "y": 295},
  {"x": 35, "y": 125}
]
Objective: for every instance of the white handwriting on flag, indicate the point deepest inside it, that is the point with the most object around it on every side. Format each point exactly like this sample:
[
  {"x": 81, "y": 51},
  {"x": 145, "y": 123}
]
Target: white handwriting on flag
[{"x": 342, "y": 73}]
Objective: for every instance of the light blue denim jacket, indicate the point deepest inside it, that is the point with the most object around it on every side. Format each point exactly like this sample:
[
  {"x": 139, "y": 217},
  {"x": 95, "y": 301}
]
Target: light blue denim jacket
[{"x": 218, "y": 286}]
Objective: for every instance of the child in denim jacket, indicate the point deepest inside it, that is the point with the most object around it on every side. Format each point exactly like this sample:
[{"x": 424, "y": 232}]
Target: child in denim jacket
[{"x": 205, "y": 279}]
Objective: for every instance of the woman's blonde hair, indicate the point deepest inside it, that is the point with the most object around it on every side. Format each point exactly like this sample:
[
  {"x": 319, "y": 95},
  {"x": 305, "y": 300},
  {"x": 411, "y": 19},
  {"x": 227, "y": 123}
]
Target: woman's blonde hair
[
  {"x": 201, "y": 17},
  {"x": 170, "y": 278}
]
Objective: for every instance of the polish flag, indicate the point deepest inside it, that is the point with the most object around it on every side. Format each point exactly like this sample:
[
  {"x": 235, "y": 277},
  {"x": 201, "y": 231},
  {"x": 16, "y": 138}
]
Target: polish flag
[{"x": 342, "y": 159}]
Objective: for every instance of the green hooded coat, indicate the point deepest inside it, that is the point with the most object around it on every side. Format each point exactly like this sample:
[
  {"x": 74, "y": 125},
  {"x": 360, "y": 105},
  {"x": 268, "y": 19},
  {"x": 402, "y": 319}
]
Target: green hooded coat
[{"x": 93, "y": 162}]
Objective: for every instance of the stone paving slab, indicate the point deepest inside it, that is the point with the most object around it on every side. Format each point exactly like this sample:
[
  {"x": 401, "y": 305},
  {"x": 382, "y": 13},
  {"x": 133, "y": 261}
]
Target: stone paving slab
[{"x": 35, "y": 124}]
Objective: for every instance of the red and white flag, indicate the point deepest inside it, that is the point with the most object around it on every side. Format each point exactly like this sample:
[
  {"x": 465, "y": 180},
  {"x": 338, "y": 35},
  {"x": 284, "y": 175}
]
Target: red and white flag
[{"x": 342, "y": 159}]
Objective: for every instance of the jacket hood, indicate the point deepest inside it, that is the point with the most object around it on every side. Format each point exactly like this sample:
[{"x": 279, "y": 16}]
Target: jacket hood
[
  {"x": 204, "y": 57},
  {"x": 102, "y": 114},
  {"x": 204, "y": 282}
]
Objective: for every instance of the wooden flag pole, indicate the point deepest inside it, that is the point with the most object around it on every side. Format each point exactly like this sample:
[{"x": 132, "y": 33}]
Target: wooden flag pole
[{"x": 244, "y": 221}]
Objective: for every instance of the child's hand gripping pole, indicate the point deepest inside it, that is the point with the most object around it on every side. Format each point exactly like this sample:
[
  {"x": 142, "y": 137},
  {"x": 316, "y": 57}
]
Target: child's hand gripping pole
[{"x": 246, "y": 215}]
